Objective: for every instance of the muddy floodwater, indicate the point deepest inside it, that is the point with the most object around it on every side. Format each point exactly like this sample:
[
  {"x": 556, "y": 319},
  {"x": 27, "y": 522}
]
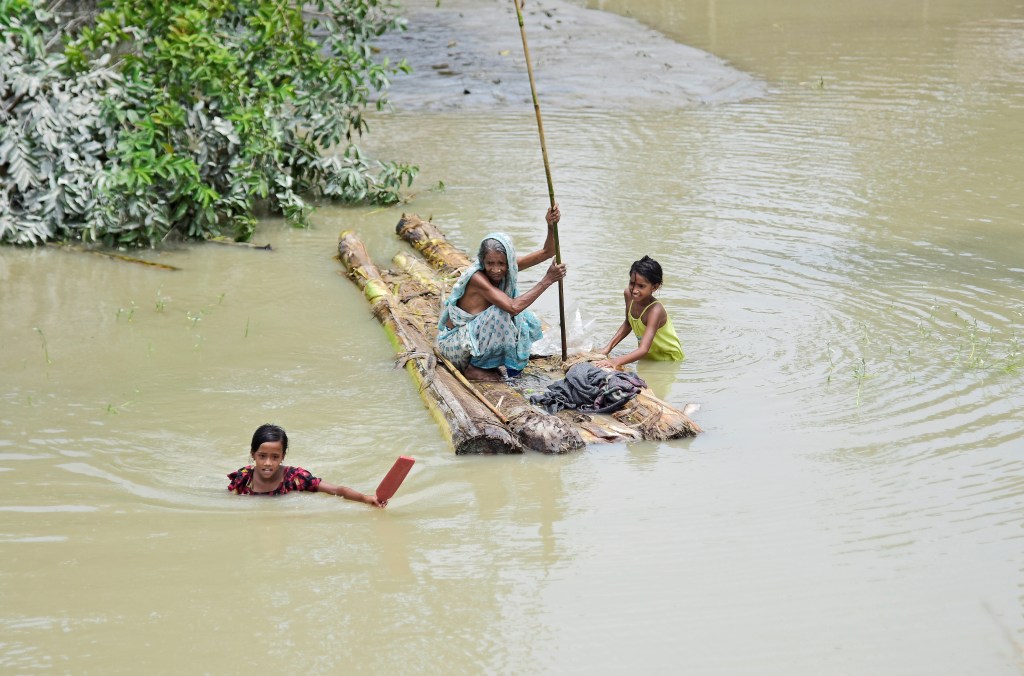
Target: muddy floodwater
[{"x": 834, "y": 190}]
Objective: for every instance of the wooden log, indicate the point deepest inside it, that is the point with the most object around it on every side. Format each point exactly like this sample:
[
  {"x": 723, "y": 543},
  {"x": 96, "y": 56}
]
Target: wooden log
[
  {"x": 227, "y": 241},
  {"x": 428, "y": 239},
  {"x": 110, "y": 254},
  {"x": 424, "y": 275},
  {"x": 420, "y": 291},
  {"x": 470, "y": 426},
  {"x": 418, "y": 305},
  {"x": 534, "y": 428}
]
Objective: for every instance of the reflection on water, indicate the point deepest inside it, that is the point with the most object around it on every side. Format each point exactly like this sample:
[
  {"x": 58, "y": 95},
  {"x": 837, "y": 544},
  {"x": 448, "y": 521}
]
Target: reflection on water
[{"x": 843, "y": 266}]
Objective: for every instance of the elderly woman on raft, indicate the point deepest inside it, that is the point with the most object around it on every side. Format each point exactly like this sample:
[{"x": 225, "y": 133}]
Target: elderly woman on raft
[{"x": 484, "y": 323}]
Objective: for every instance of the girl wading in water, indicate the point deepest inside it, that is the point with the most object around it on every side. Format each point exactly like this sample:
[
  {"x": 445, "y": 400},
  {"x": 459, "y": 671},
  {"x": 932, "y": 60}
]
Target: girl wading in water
[
  {"x": 484, "y": 323},
  {"x": 268, "y": 476},
  {"x": 646, "y": 318}
]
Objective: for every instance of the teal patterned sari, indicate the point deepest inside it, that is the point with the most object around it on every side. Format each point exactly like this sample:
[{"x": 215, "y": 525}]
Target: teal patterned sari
[{"x": 493, "y": 337}]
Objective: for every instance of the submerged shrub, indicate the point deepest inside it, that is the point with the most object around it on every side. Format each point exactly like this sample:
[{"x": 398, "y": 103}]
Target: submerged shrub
[
  {"x": 173, "y": 119},
  {"x": 53, "y": 138}
]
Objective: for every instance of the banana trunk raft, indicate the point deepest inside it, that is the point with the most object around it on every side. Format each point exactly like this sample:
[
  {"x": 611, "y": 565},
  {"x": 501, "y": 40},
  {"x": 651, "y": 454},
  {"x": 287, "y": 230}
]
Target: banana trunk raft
[{"x": 484, "y": 417}]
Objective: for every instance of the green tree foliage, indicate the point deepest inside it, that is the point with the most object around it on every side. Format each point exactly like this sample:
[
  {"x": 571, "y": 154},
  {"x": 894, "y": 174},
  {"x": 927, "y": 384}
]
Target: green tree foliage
[
  {"x": 53, "y": 139},
  {"x": 211, "y": 105}
]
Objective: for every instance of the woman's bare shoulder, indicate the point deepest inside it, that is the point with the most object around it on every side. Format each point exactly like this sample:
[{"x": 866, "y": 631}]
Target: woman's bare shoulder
[{"x": 478, "y": 283}]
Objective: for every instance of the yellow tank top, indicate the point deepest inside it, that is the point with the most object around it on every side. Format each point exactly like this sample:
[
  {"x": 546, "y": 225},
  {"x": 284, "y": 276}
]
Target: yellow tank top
[{"x": 666, "y": 345}]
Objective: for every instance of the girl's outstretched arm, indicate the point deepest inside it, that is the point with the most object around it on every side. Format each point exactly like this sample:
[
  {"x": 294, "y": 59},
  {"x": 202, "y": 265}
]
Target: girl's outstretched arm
[
  {"x": 656, "y": 317},
  {"x": 350, "y": 494},
  {"x": 623, "y": 331}
]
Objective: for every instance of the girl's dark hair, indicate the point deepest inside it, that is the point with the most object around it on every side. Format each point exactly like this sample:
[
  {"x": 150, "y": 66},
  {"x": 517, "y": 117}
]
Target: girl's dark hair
[
  {"x": 649, "y": 268},
  {"x": 265, "y": 433}
]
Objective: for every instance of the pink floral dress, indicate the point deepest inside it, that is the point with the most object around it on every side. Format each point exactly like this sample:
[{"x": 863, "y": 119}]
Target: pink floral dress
[{"x": 295, "y": 479}]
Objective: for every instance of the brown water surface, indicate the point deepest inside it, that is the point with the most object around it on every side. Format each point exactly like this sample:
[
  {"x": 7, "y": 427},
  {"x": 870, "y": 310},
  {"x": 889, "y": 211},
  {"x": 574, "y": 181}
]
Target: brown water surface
[{"x": 841, "y": 239}]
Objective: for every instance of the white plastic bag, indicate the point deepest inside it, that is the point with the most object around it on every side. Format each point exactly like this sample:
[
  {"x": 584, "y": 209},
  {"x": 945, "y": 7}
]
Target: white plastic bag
[{"x": 578, "y": 336}]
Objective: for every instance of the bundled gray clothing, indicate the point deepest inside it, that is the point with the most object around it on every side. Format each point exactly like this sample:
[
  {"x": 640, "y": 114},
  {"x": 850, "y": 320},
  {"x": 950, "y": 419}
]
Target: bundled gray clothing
[{"x": 589, "y": 389}]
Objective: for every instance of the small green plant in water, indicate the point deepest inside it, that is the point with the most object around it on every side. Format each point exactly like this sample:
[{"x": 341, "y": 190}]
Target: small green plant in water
[
  {"x": 860, "y": 372},
  {"x": 831, "y": 362},
  {"x": 1013, "y": 362},
  {"x": 973, "y": 350},
  {"x": 128, "y": 312},
  {"x": 114, "y": 410},
  {"x": 975, "y": 347},
  {"x": 46, "y": 350}
]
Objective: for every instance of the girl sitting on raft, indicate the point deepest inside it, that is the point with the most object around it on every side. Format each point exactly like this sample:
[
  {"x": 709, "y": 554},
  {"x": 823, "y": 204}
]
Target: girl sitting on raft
[
  {"x": 646, "y": 317},
  {"x": 267, "y": 476},
  {"x": 484, "y": 323}
]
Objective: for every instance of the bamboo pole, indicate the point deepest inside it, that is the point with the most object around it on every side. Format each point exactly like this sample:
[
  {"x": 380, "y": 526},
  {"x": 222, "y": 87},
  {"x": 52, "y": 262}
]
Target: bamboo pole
[{"x": 547, "y": 170}]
